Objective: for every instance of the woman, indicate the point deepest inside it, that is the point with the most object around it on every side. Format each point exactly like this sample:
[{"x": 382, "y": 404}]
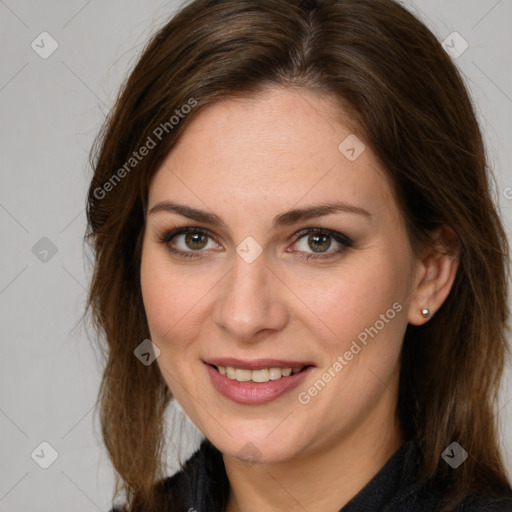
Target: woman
[{"x": 290, "y": 200}]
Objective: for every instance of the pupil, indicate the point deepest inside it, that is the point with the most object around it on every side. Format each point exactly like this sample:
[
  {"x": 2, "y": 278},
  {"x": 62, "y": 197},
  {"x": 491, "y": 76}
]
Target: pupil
[
  {"x": 195, "y": 240},
  {"x": 320, "y": 242}
]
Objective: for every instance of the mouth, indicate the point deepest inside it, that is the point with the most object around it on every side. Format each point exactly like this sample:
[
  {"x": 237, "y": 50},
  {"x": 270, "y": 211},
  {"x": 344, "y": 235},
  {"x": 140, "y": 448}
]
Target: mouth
[
  {"x": 259, "y": 375},
  {"x": 256, "y": 382}
]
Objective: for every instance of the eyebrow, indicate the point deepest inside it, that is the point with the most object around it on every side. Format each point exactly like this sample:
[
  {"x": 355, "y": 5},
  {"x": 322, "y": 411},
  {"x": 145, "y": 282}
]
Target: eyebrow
[{"x": 284, "y": 219}]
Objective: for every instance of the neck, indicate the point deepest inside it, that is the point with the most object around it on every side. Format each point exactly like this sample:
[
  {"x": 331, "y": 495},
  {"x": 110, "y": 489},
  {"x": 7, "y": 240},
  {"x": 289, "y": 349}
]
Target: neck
[{"x": 323, "y": 478}]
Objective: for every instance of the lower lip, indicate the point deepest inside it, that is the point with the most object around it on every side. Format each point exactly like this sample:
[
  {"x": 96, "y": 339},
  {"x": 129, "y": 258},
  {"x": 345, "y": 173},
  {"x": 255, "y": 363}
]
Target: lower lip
[{"x": 255, "y": 393}]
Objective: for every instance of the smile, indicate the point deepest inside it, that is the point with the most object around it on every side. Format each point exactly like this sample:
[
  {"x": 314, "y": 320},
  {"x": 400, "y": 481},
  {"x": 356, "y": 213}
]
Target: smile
[{"x": 256, "y": 382}]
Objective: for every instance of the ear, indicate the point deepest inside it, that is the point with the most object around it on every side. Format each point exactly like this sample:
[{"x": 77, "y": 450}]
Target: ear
[{"x": 436, "y": 271}]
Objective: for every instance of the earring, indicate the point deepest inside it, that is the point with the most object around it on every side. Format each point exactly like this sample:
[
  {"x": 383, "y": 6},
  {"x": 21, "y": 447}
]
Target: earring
[{"x": 425, "y": 312}]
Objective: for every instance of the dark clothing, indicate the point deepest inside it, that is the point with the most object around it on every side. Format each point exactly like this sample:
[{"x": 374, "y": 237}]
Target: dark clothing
[{"x": 202, "y": 486}]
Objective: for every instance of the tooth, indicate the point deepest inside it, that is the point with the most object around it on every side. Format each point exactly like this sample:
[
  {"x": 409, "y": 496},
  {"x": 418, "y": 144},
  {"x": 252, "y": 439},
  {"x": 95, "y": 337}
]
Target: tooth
[
  {"x": 274, "y": 373},
  {"x": 260, "y": 375},
  {"x": 243, "y": 375}
]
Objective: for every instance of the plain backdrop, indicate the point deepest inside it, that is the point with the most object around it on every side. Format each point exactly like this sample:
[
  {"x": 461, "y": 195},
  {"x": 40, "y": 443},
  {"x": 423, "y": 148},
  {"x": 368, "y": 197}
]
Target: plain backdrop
[{"x": 51, "y": 109}]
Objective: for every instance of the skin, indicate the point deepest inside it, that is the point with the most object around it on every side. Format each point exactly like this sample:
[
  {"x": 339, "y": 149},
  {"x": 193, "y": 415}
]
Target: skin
[{"x": 248, "y": 160}]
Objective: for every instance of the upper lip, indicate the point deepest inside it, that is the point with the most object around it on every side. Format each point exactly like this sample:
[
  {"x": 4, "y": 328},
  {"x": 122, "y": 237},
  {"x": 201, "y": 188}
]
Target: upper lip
[{"x": 255, "y": 364}]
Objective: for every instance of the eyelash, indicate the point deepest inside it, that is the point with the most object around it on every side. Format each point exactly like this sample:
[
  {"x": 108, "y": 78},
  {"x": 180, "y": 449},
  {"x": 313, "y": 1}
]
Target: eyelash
[{"x": 342, "y": 239}]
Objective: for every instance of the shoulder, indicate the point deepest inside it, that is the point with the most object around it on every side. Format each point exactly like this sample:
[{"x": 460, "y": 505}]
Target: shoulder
[
  {"x": 488, "y": 503},
  {"x": 172, "y": 489},
  {"x": 201, "y": 483},
  {"x": 417, "y": 494},
  {"x": 430, "y": 495}
]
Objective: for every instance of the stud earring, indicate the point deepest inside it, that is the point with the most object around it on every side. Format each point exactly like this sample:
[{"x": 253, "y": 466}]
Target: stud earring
[{"x": 425, "y": 312}]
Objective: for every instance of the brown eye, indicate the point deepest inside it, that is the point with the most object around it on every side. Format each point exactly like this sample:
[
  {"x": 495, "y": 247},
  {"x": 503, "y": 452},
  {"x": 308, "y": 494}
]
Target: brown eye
[
  {"x": 319, "y": 242},
  {"x": 196, "y": 240},
  {"x": 189, "y": 242}
]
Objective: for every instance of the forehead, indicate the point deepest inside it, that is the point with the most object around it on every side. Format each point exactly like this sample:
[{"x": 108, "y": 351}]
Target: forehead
[
  {"x": 276, "y": 123},
  {"x": 279, "y": 148}
]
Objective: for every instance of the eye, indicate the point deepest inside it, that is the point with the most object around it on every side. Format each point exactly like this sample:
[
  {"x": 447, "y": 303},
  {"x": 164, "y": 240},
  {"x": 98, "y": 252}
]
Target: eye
[
  {"x": 187, "y": 241},
  {"x": 316, "y": 242},
  {"x": 311, "y": 243}
]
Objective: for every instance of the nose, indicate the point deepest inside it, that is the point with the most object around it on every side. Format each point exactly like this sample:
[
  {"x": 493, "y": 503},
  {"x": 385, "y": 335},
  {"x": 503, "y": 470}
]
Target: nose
[{"x": 251, "y": 301}]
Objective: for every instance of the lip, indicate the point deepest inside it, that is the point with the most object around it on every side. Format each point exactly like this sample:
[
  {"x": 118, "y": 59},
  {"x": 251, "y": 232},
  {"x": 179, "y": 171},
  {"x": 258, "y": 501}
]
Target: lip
[
  {"x": 256, "y": 364},
  {"x": 255, "y": 393}
]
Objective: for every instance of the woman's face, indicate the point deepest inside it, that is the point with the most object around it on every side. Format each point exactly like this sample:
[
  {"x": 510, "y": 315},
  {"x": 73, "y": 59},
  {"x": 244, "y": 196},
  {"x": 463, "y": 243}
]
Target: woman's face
[{"x": 294, "y": 257}]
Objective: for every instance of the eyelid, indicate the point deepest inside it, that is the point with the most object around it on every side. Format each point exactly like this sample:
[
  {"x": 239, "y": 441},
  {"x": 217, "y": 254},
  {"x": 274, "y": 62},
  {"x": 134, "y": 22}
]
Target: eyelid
[
  {"x": 169, "y": 235},
  {"x": 339, "y": 237}
]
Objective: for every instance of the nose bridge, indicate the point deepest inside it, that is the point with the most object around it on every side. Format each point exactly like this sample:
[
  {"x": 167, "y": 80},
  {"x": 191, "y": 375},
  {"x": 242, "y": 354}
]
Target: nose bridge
[{"x": 250, "y": 300}]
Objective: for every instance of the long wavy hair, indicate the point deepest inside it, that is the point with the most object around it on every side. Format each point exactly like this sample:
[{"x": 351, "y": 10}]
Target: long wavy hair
[{"x": 412, "y": 108}]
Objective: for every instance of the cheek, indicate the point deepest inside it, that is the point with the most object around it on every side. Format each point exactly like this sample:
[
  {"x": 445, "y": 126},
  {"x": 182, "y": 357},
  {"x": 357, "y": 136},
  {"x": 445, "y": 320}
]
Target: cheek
[
  {"x": 172, "y": 304},
  {"x": 367, "y": 290},
  {"x": 168, "y": 296},
  {"x": 171, "y": 295},
  {"x": 364, "y": 308}
]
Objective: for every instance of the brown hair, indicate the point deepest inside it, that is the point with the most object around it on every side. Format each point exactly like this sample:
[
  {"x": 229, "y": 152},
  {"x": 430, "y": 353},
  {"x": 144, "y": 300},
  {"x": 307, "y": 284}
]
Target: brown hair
[{"x": 412, "y": 109}]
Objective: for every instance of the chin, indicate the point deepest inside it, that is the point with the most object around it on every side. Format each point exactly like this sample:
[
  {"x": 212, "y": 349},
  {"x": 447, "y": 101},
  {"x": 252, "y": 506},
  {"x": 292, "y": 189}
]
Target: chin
[{"x": 256, "y": 450}]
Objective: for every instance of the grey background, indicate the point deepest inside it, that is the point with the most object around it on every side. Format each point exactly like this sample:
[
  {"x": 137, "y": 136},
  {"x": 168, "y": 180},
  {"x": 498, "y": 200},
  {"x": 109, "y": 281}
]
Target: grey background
[{"x": 51, "y": 110}]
